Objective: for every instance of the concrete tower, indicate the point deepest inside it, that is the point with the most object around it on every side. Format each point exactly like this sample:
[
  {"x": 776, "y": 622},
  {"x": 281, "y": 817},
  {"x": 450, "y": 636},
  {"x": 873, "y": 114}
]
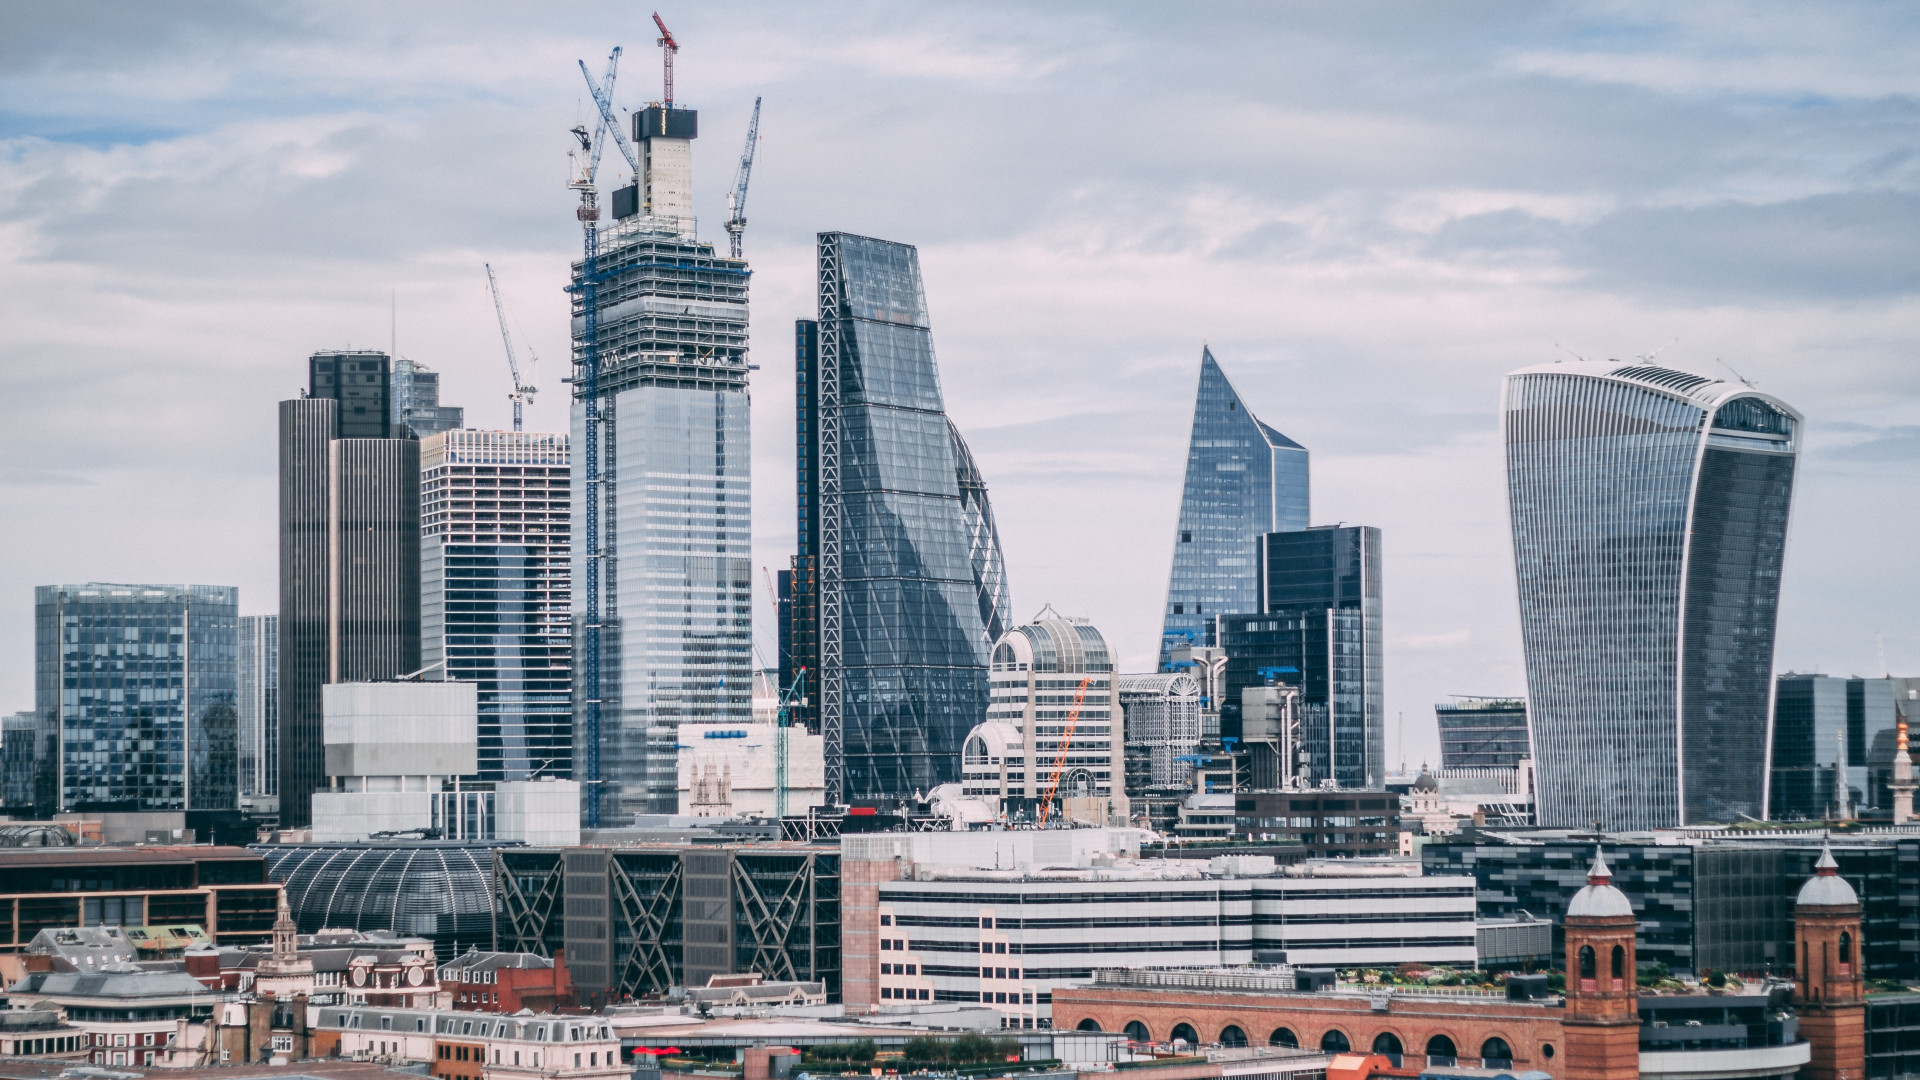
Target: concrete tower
[
  {"x": 1602, "y": 1026},
  {"x": 1827, "y": 984}
]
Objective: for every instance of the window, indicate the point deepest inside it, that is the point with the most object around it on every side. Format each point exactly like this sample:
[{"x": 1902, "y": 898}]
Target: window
[
  {"x": 1496, "y": 1050},
  {"x": 1231, "y": 1035},
  {"x": 283, "y": 1044},
  {"x": 1440, "y": 1046},
  {"x": 1335, "y": 1042},
  {"x": 1386, "y": 1043},
  {"x": 1619, "y": 967}
]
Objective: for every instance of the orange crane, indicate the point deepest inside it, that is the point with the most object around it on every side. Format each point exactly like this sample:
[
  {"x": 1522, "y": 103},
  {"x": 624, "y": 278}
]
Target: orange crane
[{"x": 1066, "y": 744}]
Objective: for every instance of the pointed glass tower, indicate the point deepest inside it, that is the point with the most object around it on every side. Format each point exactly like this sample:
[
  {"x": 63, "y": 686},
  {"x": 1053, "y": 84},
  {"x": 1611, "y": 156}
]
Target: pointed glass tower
[{"x": 1244, "y": 480}]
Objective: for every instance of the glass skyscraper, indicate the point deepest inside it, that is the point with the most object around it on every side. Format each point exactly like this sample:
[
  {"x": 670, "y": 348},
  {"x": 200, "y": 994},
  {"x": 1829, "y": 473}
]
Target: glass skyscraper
[
  {"x": 1318, "y": 627},
  {"x": 259, "y": 702},
  {"x": 1649, "y": 512},
  {"x": 674, "y": 522},
  {"x": 1824, "y": 727},
  {"x": 899, "y": 589},
  {"x": 1244, "y": 479},
  {"x": 139, "y": 682},
  {"x": 495, "y": 594}
]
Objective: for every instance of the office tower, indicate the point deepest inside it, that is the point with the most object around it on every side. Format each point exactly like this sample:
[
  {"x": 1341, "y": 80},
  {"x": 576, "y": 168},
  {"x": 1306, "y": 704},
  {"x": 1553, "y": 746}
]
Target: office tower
[
  {"x": 416, "y": 401},
  {"x": 1054, "y": 706},
  {"x": 1318, "y": 628},
  {"x": 1649, "y": 512},
  {"x": 349, "y": 554},
  {"x": 1161, "y": 725},
  {"x": 1244, "y": 480},
  {"x": 1825, "y": 727},
  {"x": 898, "y": 590},
  {"x": 674, "y": 569},
  {"x": 139, "y": 683},
  {"x": 495, "y": 600},
  {"x": 259, "y": 693},
  {"x": 29, "y": 760},
  {"x": 1482, "y": 732}
]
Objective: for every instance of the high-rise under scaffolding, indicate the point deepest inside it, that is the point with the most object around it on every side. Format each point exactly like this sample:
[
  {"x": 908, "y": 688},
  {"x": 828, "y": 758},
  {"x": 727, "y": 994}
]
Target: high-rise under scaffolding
[{"x": 673, "y": 500}]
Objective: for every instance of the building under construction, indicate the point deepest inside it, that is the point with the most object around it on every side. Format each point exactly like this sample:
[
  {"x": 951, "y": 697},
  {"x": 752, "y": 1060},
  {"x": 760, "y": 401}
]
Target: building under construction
[{"x": 661, "y": 564}]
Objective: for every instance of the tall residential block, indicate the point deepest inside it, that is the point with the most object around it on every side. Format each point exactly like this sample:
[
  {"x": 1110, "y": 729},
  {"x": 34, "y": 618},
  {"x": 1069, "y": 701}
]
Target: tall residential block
[
  {"x": 1649, "y": 514},
  {"x": 1482, "y": 732},
  {"x": 1244, "y": 479},
  {"x": 1319, "y": 627},
  {"x": 899, "y": 587},
  {"x": 138, "y": 682},
  {"x": 259, "y": 701},
  {"x": 349, "y": 553},
  {"x": 670, "y": 435},
  {"x": 495, "y": 595}
]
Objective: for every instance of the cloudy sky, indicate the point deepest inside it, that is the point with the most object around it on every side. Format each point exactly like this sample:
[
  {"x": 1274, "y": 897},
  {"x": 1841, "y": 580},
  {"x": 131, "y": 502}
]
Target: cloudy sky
[{"x": 1370, "y": 211}]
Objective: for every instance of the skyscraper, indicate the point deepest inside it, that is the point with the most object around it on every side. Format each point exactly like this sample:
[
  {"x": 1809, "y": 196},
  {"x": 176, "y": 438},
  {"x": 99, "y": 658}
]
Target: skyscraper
[
  {"x": 416, "y": 400},
  {"x": 899, "y": 588},
  {"x": 139, "y": 682},
  {"x": 1045, "y": 674},
  {"x": 349, "y": 553},
  {"x": 1827, "y": 727},
  {"x": 1649, "y": 511},
  {"x": 1319, "y": 627},
  {"x": 1482, "y": 732},
  {"x": 495, "y": 602},
  {"x": 259, "y": 701},
  {"x": 1244, "y": 479},
  {"x": 673, "y": 529}
]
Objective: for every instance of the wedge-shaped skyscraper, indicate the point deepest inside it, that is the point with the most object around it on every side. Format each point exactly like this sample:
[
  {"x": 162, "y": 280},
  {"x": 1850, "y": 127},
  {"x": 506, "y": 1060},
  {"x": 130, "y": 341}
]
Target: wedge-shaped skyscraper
[
  {"x": 1244, "y": 480},
  {"x": 1649, "y": 511},
  {"x": 899, "y": 589}
]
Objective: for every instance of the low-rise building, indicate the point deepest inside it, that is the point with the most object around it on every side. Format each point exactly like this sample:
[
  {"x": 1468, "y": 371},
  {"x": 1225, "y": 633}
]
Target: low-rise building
[
  {"x": 41, "y": 1033},
  {"x": 506, "y": 982},
  {"x": 472, "y": 1047},
  {"x": 128, "y": 1015},
  {"x": 223, "y": 890}
]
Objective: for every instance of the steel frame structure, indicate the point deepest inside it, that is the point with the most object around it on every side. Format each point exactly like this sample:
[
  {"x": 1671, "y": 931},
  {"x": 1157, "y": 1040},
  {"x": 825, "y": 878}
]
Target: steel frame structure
[{"x": 829, "y": 581}]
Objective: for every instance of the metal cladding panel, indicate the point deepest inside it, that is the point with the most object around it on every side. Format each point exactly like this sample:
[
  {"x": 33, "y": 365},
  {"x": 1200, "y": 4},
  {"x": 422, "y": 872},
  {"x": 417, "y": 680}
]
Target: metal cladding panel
[
  {"x": 373, "y": 597},
  {"x": 306, "y": 430},
  {"x": 707, "y": 916},
  {"x": 586, "y": 907},
  {"x": 654, "y": 121},
  {"x": 626, "y": 201}
]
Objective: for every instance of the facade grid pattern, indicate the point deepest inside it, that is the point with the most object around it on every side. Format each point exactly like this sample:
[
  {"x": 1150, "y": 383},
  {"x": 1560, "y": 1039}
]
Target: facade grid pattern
[{"x": 259, "y": 691}]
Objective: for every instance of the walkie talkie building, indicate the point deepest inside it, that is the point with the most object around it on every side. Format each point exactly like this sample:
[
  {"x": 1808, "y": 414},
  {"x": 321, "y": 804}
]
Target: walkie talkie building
[
  {"x": 1649, "y": 511},
  {"x": 898, "y": 590}
]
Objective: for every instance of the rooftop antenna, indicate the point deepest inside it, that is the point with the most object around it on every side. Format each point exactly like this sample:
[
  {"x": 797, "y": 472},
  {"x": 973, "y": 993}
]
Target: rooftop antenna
[
  {"x": 1744, "y": 381},
  {"x": 1568, "y": 351},
  {"x": 668, "y": 47},
  {"x": 1648, "y": 357}
]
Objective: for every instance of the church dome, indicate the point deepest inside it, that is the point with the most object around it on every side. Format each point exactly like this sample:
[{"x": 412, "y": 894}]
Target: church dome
[
  {"x": 1425, "y": 781},
  {"x": 1826, "y": 888},
  {"x": 1599, "y": 900}
]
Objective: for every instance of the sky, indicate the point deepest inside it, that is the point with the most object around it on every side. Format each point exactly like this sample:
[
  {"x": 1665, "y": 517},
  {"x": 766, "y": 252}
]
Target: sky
[{"x": 1370, "y": 212}]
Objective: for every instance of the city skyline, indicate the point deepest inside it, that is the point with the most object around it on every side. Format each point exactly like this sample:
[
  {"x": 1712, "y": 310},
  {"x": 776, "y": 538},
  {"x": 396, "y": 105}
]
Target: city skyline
[{"x": 1453, "y": 266}]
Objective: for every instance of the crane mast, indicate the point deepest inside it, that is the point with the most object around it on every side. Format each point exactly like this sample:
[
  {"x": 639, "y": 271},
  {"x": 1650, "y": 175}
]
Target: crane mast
[
  {"x": 1060, "y": 756},
  {"x": 668, "y": 47},
  {"x": 522, "y": 393},
  {"x": 737, "y": 198}
]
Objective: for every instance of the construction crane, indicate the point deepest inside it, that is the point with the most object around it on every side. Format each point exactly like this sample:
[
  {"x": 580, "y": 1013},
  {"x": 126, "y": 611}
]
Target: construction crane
[
  {"x": 602, "y": 92},
  {"x": 522, "y": 393},
  {"x": 668, "y": 47},
  {"x": 586, "y": 379},
  {"x": 1066, "y": 744},
  {"x": 737, "y": 198}
]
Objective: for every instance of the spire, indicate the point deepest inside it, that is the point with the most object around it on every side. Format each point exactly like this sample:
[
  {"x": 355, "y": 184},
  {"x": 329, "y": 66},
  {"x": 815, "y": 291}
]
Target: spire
[
  {"x": 1598, "y": 874},
  {"x": 1826, "y": 867},
  {"x": 285, "y": 933}
]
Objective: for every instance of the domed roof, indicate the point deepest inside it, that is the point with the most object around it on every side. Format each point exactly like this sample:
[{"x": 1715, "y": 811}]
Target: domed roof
[
  {"x": 1599, "y": 900},
  {"x": 1425, "y": 781},
  {"x": 1826, "y": 888},
  {"x": 1055, "y": 644}
]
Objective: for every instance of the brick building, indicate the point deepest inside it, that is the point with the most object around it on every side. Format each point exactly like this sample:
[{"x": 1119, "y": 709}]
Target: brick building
[{"x": 506, "y": 982}]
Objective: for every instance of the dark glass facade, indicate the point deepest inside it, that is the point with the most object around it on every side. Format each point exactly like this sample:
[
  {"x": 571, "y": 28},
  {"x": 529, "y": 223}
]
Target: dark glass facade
[
  {"x": 496, "y": 591},
  {"x": 349, "y": 554},
  {"x": 1319, "y": 628},
  {"x": 1649, "y": 512},
  {"x": 899, "y": 578},
  {"x": 1722, "y": 906},
  {"x": 1244, "y": 479},
  {"x": 140, "y": 682},
  {"x": 1825, "y": 726},
  {"x": 1482, "y": 733}
]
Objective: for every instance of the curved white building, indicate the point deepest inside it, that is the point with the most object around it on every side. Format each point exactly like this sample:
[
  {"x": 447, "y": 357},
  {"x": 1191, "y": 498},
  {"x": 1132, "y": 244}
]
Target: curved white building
[
  {"x": 1649, "y": 513},
  {"x": 1038, "y": 673}
]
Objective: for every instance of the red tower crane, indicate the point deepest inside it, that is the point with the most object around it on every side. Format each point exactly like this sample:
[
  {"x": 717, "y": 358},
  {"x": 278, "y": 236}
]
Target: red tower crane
[
  {"x": 668, "y": 47},
  {"x": 1060, "y": 757}
]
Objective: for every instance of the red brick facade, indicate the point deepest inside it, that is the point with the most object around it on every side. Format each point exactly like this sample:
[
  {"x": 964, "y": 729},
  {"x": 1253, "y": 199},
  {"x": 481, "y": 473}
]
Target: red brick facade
[
  {"x": 1532, "y": 1033},
  {"x": 1828, "y": 991},
  {"x": 1603, "y": 991}
]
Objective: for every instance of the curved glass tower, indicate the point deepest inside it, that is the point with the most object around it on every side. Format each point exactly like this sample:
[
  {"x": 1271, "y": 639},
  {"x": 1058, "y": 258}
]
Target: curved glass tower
[
  {"x": 899, "y": 589},
  {"x": 1244, "y": 480},
  {"x": 1649, "y": 510}
]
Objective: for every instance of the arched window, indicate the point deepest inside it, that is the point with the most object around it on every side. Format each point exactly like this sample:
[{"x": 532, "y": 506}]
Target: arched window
[
  {"x": 1846, "y": 953},
  {"x": 1586, "y": 962},
  {"x": 1284, "y": 1037},
  {"x": 1231, "y": 1035},
  {"x": 1496, "y": 1050},
  {"x": 1387, "y": 1043},
  {"x": 1441, "y": 1047},
  {"x": 1089, "y": 1024},
  {"x": 1335, "y": 1042},
  {"x": 1619, "y": 968},
  {"x": 1185, "y": 1033},
  {"x": 1137, "y": 1031}
]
